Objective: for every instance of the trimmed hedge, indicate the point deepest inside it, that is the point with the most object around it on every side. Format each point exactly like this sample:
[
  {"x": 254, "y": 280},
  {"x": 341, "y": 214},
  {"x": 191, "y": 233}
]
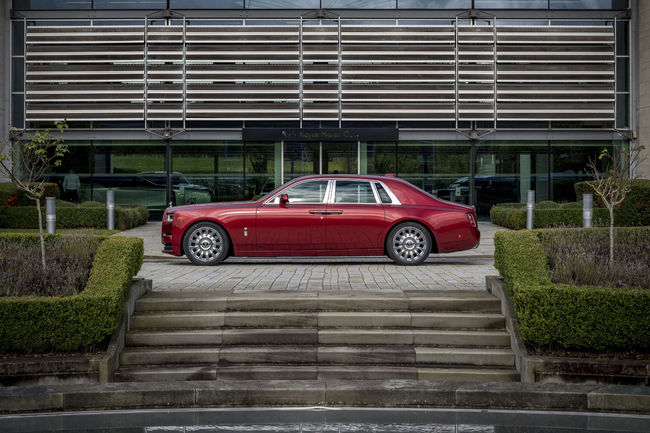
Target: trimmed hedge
[
  {"x": 568, "y": 215},
  {"x": 563, "y": 316},
  {"x": 12, "y": 196},
  {"x": 26, "y": 217},
  {"x": 75, "y": 323},
  {"x": 635, "y": 209}
]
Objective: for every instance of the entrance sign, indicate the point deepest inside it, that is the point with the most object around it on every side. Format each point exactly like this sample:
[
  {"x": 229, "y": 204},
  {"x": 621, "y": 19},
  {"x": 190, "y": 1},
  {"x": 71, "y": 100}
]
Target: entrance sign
[{"x": 320, "y": 134}]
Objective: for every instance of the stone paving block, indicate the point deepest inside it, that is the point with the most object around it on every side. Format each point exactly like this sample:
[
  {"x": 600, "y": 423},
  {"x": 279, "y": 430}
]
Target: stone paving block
[
  {"x": 129, "y": 395},
  {"x": 261, "y": 393},
  {"x": 620, "y": 399},
  {"x": 391, "y": 393},
  {"x": 524, "y": 395},
  {"x": 15, "y": 399}
]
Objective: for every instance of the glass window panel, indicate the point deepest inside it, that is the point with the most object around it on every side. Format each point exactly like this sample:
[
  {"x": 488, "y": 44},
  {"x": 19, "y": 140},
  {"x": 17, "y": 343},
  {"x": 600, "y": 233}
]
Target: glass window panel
[
  {"x": 18, "y": 38},
  {"x": 300, "y": 159},
  {"x": 263, "y": 168},
  {"x": 51, "y": 4},
  {"x": 206, "y": 172},
  {"x": 354, "y": 192},
  {"x": 340, "y": 158},
  {"x": 18, "y": 75},
  {"x": 307, "y": 192},
  {"x": 511, "y": 4},
  {"x": 622, "y": 74},
  {"x": 589, "y": 4},
  {"x": 129, "y": 4},
  {"x": 383, "y": 194},
  {"x": 135, "y": 170},
  {"x": 622, "y": 111},
  {"x": 622, "y": 38},
  {"x": 18, "y": 111},
  {"x": 568, "y": 165},
  {"x": 435, "y": 4},
  {"x": 282, "y": 4},
  {"x": 359, "y": 4},
  {"x": 378, "y": 158},
  {"x": 74, "y": 174},
  {"x": 206, "y": 4},
  {"x": 439, "y": 168}
]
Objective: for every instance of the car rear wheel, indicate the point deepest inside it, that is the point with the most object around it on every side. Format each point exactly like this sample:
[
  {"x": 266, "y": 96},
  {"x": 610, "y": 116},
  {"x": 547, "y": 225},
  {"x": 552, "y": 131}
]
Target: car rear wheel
[
  {"x": 408, "y": 243},
  {"x": 206, "y": 243}
]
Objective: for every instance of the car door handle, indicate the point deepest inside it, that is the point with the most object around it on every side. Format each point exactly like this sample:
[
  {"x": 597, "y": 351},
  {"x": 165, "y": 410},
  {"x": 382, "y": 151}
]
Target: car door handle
[
  {"x": 329, "y": 212},
  {"x": 322, "y": 212}
]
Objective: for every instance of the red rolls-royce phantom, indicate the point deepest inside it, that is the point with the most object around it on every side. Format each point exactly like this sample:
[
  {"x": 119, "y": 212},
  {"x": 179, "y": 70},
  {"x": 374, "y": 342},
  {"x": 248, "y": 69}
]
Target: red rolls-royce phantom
[{"x": 325, "y": 215}]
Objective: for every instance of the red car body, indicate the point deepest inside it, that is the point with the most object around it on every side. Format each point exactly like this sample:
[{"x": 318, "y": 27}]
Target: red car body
[{"x": 334, "y": 227}]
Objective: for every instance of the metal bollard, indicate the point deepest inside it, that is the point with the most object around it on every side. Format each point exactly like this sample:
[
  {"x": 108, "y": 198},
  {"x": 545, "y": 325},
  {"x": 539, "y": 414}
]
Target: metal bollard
[
  {"x": 530, "y": 209},
  {"x": 110, "y": 209},
  {"x": 587, "y": 210},
  {"x": 50, "y": 215}
]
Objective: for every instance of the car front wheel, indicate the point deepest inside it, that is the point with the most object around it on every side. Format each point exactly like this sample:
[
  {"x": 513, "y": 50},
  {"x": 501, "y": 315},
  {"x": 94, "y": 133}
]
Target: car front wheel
[
  {"x": 408, "y": 243},
  {"x": 206, "y": 243}
]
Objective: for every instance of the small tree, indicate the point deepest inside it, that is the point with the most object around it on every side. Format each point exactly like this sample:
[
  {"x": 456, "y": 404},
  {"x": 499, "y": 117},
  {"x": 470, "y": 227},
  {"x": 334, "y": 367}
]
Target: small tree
[
  {"x": 28, "y": 162},
  {"x": 612, "y": 181}
]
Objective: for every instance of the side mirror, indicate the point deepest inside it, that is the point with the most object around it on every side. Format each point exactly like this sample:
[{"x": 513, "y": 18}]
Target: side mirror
[{"x": 284, "y": 199}]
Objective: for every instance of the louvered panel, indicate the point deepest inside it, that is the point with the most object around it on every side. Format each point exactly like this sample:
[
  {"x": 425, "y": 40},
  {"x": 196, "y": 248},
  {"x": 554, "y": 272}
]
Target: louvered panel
[
  {"x": 84, "y": 93},
  {"x": 131, "y": 53},
  {"x": 84, "y": 35},
  {"x": 556, "y": 93},
  {"x": 243, "y": 34},
  {"x": 276, "y": 53},
  {"x": 405, "y": 34},
  {"x": 555, "y": 54},
  {"x": 543, "y": 35},
  {"x": 236, "y": 111},
  {"x": 84, "y": 111}
]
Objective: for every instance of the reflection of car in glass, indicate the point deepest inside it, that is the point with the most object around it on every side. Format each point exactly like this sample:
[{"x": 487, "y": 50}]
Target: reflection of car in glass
[
  {"x": 489, "y": 190},
  {"x": 148, "y": 189},
  {"x": 347, "y": 215}
]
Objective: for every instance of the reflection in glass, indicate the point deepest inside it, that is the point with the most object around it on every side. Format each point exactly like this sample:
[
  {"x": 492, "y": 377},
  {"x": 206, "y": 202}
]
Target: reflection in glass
[
  {"x": 511, "y": 4},
  {"x": 436, "y": 167},
  {"x": 300, "y": 159},
  {"x": 263, "y": 170},
  {"x": 206, "y": 4},
  {"x": 214, "y": 171},
  {"x": 129, "y": 4},
  {"x": 282, "y": 4},
  {"x": 18, "y": 38},
  {"x": 354, "y": 192},
  {"x": 51, "y": 4},
  {"x": 18, "y": 111},
  {"x": 18, "y": 75},
  {"x": 307, "y": 192},
  {"x": 589, "y": 4},
  {"x": 76, "y": 165},
  {"x": 340, "y": 158},
  {"x": 378, "y": 158},
  {"x": 136, "y": 171}
]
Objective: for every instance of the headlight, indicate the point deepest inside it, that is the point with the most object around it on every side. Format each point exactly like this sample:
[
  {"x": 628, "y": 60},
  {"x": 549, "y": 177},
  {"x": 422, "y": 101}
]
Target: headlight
[{"x": 170, "y": 217}]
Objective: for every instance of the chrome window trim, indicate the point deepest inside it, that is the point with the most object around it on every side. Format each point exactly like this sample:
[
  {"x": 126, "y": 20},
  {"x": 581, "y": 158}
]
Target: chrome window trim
[
  {"x": 276, "y": 199},
  {"x": 393, "y": 197}
]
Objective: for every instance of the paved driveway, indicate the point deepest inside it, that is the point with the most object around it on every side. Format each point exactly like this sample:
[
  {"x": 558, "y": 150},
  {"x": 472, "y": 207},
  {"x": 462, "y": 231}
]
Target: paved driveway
[{"x": 464, "y": 271}]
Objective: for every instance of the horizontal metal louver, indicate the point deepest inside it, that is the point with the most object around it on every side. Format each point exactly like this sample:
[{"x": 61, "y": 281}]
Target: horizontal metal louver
[{"x": 320, "y": 72}]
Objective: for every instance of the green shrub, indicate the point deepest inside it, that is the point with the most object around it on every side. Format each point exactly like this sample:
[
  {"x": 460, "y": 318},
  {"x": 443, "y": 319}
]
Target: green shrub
[
  {"x": 572, "y": 205},
  {"x": 635, "y": 209},
  {"x": 92, "y": 204},
  {"x": 63, "y": 203},
  {"x": 79, "y": 322},
  {"x": 547, "y": 204},
  {"x": 74, "y": 217},
  {"x": 565, "y": 216},
  {"x": 563, "y": 316},
  {"x": 12, "y": 196}
]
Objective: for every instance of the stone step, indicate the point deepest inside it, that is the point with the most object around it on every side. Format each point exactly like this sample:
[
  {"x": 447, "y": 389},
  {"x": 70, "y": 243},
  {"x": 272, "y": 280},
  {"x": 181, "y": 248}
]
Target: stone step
[
  {"x": 464, "y": 356},
  {"x": 312, "y": 372},
  {"x": 172, "y": 320},
  {"x": 193, "y": 337},
  {"x": 444, "y": 301},
  {"x": 169, "y": 355}
]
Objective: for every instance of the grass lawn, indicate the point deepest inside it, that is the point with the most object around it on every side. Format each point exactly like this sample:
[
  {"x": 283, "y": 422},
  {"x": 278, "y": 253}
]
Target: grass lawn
[{"x": 97, "y": 232}]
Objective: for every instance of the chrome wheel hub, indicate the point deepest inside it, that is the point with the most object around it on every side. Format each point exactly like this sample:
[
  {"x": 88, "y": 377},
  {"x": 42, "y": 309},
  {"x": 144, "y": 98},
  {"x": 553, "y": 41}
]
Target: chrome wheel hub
[
  {"x": 410, "y": 244},
  {"x": 205, "y": 244}
]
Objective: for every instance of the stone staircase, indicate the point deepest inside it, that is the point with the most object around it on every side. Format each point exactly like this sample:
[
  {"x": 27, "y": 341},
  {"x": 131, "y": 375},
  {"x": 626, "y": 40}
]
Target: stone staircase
[{"x": 309, "y": 336}]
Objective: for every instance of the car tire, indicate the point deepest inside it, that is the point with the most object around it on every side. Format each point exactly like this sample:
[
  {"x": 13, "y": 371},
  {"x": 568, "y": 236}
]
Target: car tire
[
  {"x": 408, "y": 243},
  {"x": 206, "y": 243}
]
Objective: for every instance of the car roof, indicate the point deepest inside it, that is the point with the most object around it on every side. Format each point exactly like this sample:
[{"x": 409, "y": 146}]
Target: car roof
[{"x": 345, "y": 176}]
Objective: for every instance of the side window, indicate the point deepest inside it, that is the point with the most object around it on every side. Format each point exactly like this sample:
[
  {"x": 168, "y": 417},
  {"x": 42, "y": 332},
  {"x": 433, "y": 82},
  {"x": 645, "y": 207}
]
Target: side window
[
  {"x": 356, "y": 192},
  {"x": 383, "y": 195},
  {"x": 307, "y": 192}
]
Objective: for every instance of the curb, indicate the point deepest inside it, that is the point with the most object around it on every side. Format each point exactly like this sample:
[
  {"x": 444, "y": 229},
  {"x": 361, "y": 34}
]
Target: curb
[{"x": 392, "y": 393}]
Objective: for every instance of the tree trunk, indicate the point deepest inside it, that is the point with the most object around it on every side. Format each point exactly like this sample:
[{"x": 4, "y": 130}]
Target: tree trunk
[
  {"x": 40, "y": 231},
  {"x": 611, "y": 235}
]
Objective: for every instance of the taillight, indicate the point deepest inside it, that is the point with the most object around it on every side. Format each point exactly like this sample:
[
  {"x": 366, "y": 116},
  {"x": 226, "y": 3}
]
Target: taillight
[{"x": 472, "y": 219}]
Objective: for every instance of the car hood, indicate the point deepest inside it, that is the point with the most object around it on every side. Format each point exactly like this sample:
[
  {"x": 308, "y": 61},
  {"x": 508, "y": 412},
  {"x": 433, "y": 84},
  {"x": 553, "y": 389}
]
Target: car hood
[{"x": 220, "y": 205}]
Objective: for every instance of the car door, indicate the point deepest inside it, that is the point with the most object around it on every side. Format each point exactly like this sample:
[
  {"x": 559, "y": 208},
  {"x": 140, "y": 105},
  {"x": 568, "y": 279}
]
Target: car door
[
  {"x": 298, "y": 226},
  {"x": 355, "y": 218}
]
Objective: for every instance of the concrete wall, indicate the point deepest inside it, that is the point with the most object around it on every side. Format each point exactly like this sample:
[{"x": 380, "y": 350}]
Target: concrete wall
[
  {"x": 5, "y": 84},
  {"x": 643, "y": 40}
]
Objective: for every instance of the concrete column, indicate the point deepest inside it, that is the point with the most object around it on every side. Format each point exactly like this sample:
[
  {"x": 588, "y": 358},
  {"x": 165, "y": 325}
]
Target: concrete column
[
  {"x": 643, "y": 64},
  {"x": 5, "y": 84}
]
